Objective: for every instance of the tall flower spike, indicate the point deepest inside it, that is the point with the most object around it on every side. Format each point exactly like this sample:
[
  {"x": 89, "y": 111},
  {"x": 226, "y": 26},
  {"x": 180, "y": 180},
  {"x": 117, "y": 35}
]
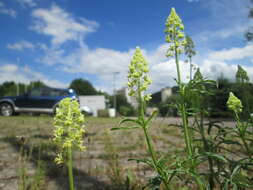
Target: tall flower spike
[
  {"x": 241, "y": 75},
  {"x": 138, "y": 79},
  {"x": 175, "y": 34},
  {"x": 234, "y": 103},
  {"x": 69, "y": 127},
  {"x": 198, "y": 75}
]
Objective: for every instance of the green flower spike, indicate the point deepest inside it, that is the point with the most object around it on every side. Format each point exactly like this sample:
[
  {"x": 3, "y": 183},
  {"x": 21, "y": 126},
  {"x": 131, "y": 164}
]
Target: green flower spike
[
  {"x": 69, "y": 128},
  {"x": 234, "y": 103},
  {"x": 175, "y": 34},
  {"x": 138, "y": 80},
  {"x": 241, "y": 75}
]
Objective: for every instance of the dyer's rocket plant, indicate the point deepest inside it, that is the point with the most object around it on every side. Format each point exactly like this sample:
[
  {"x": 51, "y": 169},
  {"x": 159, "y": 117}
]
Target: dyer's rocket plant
[
  {"x": 242, "y": 80},
  {"x": 138, "y": 82},
  {"x": 235, "y": 105},
  {"x": 68, "y": 133},
  {"x": 176, "y": 38},
  {"x": 190, "y": 52}
]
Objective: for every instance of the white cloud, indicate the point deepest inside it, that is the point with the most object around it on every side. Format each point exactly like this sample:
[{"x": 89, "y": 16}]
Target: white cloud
[
  {"x": 60, "y": 25},
  {"x": 29, "y": 3},
  {"x": 103, "y": 63},
  {"x": 7, "y": 11},
  {"x": 9, "y": 68},
  {"x": 225, "y": 20},
  {"x": 222, "y": 33},
  {"x": 12, "y": 72},
  {"x": 214, "y": 69},
  {"x": 21, "y": 45},
  {"x": 232, "y": 53}
]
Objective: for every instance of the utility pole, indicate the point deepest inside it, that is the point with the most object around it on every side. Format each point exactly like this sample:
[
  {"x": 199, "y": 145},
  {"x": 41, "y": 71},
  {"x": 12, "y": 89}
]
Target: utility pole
[
  {"x": 17, "y": 86},
  {"x": 114, "y": 90}
]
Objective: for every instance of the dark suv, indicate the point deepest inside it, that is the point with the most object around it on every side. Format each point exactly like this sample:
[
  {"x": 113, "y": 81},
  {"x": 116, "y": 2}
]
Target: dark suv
[{"x": 38, "y": 100}]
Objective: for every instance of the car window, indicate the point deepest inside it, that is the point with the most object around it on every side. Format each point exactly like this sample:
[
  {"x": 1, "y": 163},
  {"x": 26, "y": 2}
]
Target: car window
[
  {"x": 63, "y": 93},
  {"x": 55, "y": 92},
  {"x": 36, "y": 92}
]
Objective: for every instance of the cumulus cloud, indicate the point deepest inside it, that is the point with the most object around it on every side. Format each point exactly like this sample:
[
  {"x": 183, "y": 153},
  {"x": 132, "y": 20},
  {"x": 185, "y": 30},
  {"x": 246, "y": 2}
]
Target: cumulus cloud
[
  {"x": 9, "y": 68},
  {"x": 60, "y": 25},
  {"x": 223, "y": 33},
  {"x": 233, "y": 53},
  {"x": 7, "y": 11},
  {"x": 12, "y": 72},
  {"x": 21, "y": 45},
  {"x": 103, "y": 63}
]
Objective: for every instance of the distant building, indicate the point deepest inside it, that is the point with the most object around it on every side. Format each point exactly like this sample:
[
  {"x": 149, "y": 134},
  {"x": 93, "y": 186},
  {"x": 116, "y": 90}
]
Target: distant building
[
  {"x": 162, "y": 95},
  {"x": 165, "y": 93},
  {"x": 131, "y": 100},
  {"x": 95, "y": 103}
]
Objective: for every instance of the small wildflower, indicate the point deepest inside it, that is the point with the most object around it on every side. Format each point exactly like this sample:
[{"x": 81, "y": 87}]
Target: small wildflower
[
  {"x": 147, "y": 97},
  {"x": 234, "y": 103},
  {"x": 69, "y": 128}
]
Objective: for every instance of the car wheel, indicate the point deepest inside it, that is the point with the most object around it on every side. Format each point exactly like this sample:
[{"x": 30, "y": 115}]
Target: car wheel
[{"x": 6, "y": 109}]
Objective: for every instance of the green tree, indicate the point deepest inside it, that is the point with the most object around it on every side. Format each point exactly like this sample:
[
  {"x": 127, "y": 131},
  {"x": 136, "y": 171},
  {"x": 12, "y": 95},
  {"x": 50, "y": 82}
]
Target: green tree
[
  {"x": 218, "y": 107},
  {"x": 8, "y": 88},
  {"x": 123, "y": 107},
  {"x": 83, "y": 87},
  {"x": 190, "y": 52}
]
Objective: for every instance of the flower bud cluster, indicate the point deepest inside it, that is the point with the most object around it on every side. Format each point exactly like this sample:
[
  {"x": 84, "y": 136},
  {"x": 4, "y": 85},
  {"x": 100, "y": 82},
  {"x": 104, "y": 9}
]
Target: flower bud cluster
[
  {"x": 69, "y": 127},
  {"x": 234, "y": 103},
  {"x": 138, "y": 80},
  {"x": 175, "y": 35}
]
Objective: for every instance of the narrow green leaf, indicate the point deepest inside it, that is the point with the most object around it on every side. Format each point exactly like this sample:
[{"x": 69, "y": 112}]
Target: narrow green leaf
[
  {"x": 235, "y": 171},
  {"x": 151, "y": 117},
  {"x": 217, "y": 156},
  {"x": 230, "y": 142},
  {"x": 129, "y": 120},
  {"x": 125, "y": 128},
  {"x": 144, "y": 160}
]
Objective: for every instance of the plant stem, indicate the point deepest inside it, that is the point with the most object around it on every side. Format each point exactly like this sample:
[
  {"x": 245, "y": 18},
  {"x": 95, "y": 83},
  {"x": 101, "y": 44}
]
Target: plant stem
[
  {"x": 148, "y": 139},
  {"x": 206, "y": 148},
  {"x": 70, "y": 168},
  {"x": 190, "y": 58},
  {"x": 183, "y": 111},
  {"x": 242, "y": 135},
  {"x": 186, "y": 132},
  {"x": 188, "y": 139},
  {"x": 178, "y": 68}
]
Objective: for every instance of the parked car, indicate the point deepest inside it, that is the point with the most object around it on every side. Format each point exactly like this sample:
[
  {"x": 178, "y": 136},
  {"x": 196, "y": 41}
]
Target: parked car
[{"x": 38, "y": 100}]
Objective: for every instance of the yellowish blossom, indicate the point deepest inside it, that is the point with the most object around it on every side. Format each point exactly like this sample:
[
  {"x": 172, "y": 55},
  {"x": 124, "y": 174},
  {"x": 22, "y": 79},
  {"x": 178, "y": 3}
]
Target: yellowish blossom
[
  {"x": 138, "y": 80},
  {"x": 68, "y": 127}
]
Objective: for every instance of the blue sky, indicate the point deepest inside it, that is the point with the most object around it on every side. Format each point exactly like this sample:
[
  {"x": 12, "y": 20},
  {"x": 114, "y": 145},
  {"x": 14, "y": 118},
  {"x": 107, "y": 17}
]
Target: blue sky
[{"x": 58, "y": 41}]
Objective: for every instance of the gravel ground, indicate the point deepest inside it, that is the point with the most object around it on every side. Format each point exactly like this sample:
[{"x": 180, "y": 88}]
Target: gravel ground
[{"x": 92, "y": 168}]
